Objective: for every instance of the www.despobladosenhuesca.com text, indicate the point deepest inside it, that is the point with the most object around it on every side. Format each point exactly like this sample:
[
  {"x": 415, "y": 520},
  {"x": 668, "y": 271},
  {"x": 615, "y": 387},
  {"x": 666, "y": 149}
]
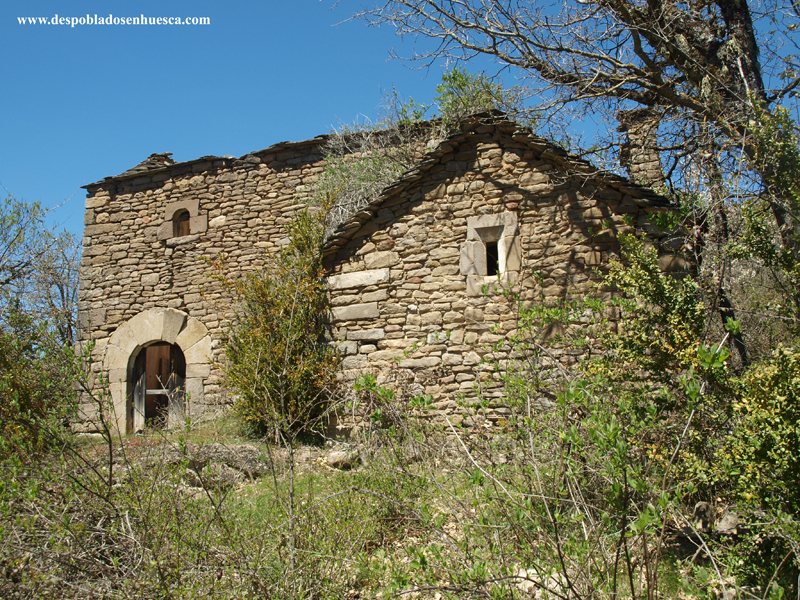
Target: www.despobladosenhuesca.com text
[{"x": 112, "y": 20}]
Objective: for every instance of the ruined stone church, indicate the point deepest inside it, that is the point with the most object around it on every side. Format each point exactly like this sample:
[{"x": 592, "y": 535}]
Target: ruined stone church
[{"x": 416, "y": 278}]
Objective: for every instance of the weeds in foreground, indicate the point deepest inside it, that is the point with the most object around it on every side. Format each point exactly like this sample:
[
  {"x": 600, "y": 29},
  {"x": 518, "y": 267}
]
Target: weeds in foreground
[
  {"x": 531, "y": 511},
  {"x": 611, "y": 488}
]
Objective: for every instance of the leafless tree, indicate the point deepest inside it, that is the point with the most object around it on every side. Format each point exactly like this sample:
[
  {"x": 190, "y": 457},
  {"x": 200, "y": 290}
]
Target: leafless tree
[
  {"x": 703, "y": 68},
  {"x": 700, "y": 79},
  {"x": 38, "y": 268},
  {"x": 704, "y": 59}
]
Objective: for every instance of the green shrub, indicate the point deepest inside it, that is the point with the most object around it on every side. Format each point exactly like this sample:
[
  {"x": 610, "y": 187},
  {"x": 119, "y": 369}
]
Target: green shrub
[
  {"x": 278, "y": 365},
  {"x": 35, "y": 384},
  {"x": 662, "y": 316},
  {"x": 461, "y": 94},
  {"x": 764, "y": 448}
]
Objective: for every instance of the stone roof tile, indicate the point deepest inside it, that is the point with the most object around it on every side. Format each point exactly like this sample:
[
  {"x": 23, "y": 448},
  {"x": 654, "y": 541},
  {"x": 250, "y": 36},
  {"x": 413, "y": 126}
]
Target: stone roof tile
[{"x": 154, "y": 161}]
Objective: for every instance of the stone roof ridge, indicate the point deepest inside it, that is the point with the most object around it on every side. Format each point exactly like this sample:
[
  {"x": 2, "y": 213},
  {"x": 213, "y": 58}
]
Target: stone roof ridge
[
  {"x": 158, "y": 162},
  {"x": 519, "y": 133},
  {"x": 154, "y": 161},
  {"x": 162, "y": 162},
  {"x": 286, "y": 145}
]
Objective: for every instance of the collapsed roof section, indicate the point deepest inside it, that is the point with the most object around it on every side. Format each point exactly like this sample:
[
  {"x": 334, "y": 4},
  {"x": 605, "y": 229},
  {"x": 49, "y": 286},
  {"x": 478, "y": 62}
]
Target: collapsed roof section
[{"x": 471, "y": 126}]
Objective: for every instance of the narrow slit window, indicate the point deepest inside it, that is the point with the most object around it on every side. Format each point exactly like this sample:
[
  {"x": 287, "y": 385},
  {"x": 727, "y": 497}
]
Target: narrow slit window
[
  {"x": 492, "y": 259},
  {"x": 181, "y": 223}
]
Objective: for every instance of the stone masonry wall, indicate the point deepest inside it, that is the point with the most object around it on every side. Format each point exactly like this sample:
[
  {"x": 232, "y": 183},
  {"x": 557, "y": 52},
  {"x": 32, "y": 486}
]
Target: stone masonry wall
[
  {"x": 401, "y": 301},
  {"x": 131, "y": 262},
  {"x": 409, "y": 289}
]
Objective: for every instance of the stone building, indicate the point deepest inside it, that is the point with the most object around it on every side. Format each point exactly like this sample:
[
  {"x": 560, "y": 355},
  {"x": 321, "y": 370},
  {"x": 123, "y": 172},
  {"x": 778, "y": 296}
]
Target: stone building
[{"x": 416, "y": 278}]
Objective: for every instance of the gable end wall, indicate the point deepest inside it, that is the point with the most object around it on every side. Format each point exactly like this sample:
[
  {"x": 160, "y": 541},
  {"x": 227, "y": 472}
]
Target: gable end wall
[
  {"x": 130, "y": 265},
  {"x": 424, "y": 321}
]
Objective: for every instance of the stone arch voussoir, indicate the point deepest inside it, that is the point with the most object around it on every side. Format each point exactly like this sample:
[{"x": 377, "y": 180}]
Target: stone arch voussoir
[{"x": 149, "y": 327}]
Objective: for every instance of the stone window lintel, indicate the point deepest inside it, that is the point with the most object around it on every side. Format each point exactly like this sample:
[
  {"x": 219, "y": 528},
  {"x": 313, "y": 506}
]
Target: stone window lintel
[
  {"x": 505, "y": 222},
  {"x": 502, "y": 228}
]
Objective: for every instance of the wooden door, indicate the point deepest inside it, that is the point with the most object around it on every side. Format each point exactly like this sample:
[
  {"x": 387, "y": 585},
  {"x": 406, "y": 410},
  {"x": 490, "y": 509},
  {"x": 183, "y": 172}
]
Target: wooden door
[
  {"x": 177, "y": 397},
  {"x": 158, "y": 372},
  {"x": 157, "y": 381},
  {"x": 136, "y": 418}
]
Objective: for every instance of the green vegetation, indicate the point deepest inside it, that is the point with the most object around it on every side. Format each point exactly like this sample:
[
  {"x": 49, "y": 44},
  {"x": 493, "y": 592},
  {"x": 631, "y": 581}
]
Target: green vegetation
[
  {"x": 277, "y": 362},
  {"x": 460, "y": 94},
  {"x": 35, "y": 385},
  {"x": 658, "y": 466},
  {"x": 38, "y": 280},
  {"x": 771, "y": 231},
  {"x": 763, "y": 450}
]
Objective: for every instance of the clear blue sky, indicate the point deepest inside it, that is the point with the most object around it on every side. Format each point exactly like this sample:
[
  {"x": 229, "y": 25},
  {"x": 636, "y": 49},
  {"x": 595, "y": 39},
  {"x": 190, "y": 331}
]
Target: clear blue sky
[{"x": 82, "y": 103}]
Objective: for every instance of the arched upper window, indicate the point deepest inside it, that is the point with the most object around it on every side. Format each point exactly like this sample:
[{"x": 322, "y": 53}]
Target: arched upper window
[
  {"x": 180, "y": 223},
  {"x": 182, "y": 219}
]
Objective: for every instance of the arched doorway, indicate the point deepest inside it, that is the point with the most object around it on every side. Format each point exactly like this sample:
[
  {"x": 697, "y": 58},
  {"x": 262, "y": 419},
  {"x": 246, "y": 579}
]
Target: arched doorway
[
  {"x": 158, "y": 396},
  {"x": 157, "y": 327}
]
